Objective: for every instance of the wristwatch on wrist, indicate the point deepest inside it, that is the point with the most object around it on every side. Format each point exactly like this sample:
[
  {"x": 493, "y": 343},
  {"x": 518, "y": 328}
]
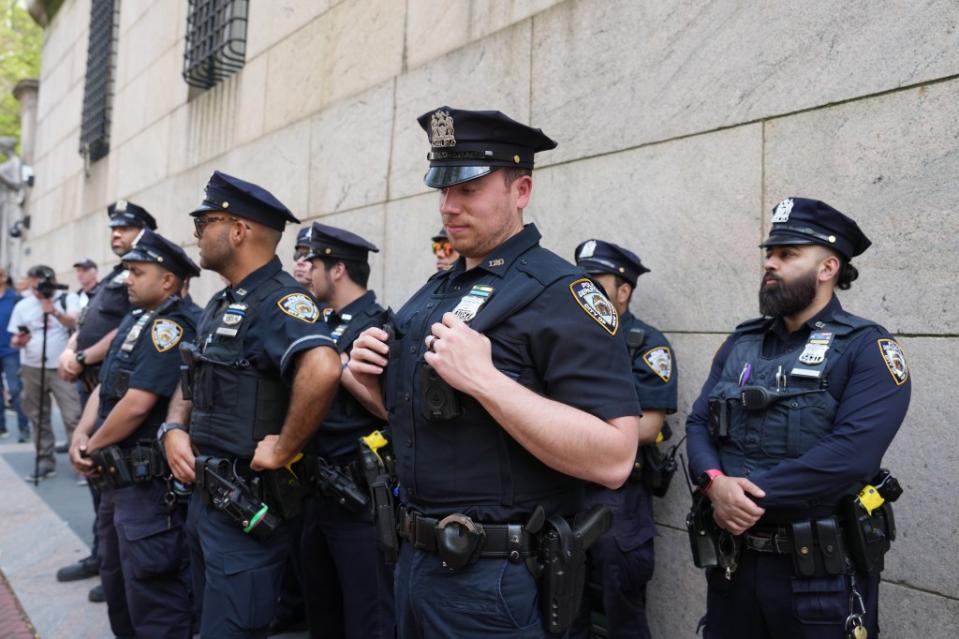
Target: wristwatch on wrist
[
  {"x": 81, "y": 357},
  {"x": 705, "y": 479},
  {"x": 166, "y": 427}
]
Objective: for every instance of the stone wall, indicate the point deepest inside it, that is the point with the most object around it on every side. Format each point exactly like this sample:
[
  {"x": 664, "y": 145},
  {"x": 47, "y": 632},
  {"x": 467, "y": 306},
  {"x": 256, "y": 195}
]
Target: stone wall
[{"x": 680, "y": 125}]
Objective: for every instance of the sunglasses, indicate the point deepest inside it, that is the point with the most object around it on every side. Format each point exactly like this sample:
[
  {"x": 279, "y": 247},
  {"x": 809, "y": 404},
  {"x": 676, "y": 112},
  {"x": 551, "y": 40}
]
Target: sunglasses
[
  {"x": 300, "y": 254},
  {"x": 200, "y": 223},
  {"x": 442, "y": 248}
]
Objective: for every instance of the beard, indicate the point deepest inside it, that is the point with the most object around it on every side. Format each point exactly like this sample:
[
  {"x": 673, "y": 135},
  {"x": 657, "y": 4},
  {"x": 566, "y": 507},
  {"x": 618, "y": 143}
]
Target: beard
[{"x": 782, "y": 299}]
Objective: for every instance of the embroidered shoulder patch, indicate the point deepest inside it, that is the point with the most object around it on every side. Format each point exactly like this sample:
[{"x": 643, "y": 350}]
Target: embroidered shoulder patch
[
  {"x": 660, "y": 360},
  {"x": 166, "y": 334},
  {"x": 300, "y": 306},
  {"x": 895, "y": 360},
  {"x": 595, "y": 303}
]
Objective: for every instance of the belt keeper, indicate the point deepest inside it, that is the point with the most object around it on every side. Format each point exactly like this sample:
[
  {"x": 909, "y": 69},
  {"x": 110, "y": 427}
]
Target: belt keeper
[{"x": 514, "y": 535}]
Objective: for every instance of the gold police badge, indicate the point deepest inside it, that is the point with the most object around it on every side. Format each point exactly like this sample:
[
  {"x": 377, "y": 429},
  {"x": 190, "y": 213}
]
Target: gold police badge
[
  {"x": 300, "y": 306},
  {"x": 166, "y": 334},
  {"x": 441, "y": 129}
]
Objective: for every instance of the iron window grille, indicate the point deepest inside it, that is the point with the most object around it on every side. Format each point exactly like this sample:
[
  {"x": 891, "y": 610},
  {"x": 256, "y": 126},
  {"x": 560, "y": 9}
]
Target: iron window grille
[
  {"x": 98, "y": 87},
  {"x": 215, "y": 41}
]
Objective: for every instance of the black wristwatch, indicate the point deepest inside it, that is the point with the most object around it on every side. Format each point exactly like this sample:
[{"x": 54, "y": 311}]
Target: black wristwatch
[
  {"x": 81, "y": 357},
  {"x": 166, "y": 427}
]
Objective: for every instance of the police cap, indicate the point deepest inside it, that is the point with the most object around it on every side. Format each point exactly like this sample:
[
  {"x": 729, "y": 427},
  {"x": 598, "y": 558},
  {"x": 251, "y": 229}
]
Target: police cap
[
  {"x": 441, "y": 235},
  {"x": 465, "y": 145},
  {"x": 244, "y": 199},
  {"x": 123, "y": 213},
  {"x": 340, "y": 244},
  {"x": 597, "y": 257},
  {"x": 799, "y": 220},
  {"x": 153, "y": 247},
  {"x": 303, "y": 237}
]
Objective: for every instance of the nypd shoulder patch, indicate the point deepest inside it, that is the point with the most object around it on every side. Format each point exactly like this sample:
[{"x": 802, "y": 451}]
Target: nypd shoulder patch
[
  {"x": 594, "y": 302},
  {"x": 166, "y": 334},
  {"x": 895, "y": 360},
  {"x": 660, "y": 361},
  {"x": 300, "y": 306}
]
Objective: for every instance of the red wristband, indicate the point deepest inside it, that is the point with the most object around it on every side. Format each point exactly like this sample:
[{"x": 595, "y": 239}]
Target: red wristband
[{"x": 713, "y": 473}]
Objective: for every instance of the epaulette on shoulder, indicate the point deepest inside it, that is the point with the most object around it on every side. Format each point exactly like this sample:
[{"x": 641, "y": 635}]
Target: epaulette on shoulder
[
  {"x": 545, "y": 266},
  {"x": 853, "y": 321},
  {"x": 753, "y": 325}
]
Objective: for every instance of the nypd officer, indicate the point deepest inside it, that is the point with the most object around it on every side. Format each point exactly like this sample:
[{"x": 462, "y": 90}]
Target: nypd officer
[
  {"x": 264, "y": 370},
  {"x": 96, "y": 328},
  {"x": 799, "y": 407},
  {"x": 339, "y": 549},
  {"x": 622, "y": 560},
  {"x": 143, "y": 562},
  {"x": 443, "y": 250},
  {"x": 506, "y": 385},
  {"x": 301, "y": 265}
]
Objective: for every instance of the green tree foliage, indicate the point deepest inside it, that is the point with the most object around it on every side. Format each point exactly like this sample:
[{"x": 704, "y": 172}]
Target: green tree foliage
[{"x": 20, "y": 43}]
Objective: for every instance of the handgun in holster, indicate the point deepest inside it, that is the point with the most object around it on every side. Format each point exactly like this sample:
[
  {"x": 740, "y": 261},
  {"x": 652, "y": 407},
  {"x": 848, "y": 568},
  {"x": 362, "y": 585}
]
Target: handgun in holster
[
  {"x": 223, "y": 489},
  {"x": 560, "y": 564},
  {"x": 869, "y": 523},
  {"x": 340, "y": 487},
  {"x": 285, "y": 489},
  {"x": 188, "y": 357},
  {"x": 376, "y": 462},
  {"x": 112, "y": 470}
]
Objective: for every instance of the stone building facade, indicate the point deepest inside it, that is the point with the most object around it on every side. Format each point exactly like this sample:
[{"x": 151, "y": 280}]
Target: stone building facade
[{"x": 680, "y": 124}]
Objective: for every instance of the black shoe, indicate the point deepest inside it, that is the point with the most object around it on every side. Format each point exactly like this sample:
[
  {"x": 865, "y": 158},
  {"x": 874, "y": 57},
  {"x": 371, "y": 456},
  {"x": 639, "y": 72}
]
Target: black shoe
[
  {"x": 83, "y": 569},
  {"x": 62, "y": 448},
  {"x": 44, "y": 474},
  {"x": 23, "y": 439},
  {"x": 96, "y": 594}
]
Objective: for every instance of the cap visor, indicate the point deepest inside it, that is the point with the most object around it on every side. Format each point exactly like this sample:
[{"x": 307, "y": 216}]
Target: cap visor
[
  {"x": 440, "y": 177},
  {"x": 136, "y": 255},
  {"x": 203, "y": 208},
  {"x": 784, "y": 239},
  {"x": 114, "y": 222}
]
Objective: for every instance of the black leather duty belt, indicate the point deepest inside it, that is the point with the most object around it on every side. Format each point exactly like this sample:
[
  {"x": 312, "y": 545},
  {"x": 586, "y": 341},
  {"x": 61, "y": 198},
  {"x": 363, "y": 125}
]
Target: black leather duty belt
[
  {"x": 499, "y": 541},
  {"x": 777, "y": 541}
]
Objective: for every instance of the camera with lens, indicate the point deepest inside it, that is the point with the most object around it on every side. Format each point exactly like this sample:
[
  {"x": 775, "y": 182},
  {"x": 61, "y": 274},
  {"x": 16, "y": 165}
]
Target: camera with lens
[{"x": 47, "y": 285}]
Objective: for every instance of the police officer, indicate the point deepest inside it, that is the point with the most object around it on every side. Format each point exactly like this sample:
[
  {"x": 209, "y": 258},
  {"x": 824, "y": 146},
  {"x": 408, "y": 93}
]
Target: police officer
[
  {"x": 621, "y": 561},
  {"x": 301, "y": 265},
  {"x": 798, "y": 410},
  {"x": 96, "y": 327},
  {"x": 143, "y": 562},
  {"x": 443, "y": 250},
  {"x": 339, "y": 542},
  {"x": 264, "y": 371},
  {"x": 506, "y": 384}
]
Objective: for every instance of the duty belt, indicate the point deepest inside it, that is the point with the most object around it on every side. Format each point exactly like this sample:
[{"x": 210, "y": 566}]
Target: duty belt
[
  {"x": 498, "y": 541},
  {"x": 776, "y": 541}
]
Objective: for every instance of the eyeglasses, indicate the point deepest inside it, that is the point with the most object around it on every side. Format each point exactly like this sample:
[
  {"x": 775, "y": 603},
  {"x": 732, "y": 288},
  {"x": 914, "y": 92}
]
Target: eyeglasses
[
  {"x": 442, "y": 248},
  {"x": 300, "y": 254},
  {"x": 200, "y": 223}
]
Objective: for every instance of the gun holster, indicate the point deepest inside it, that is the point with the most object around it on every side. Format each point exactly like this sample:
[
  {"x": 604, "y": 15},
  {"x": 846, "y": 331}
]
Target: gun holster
[
  {"x": 285, "y": 492},
  {"x": 703, "y": 532},
  {"x": 459, "y": 541}
]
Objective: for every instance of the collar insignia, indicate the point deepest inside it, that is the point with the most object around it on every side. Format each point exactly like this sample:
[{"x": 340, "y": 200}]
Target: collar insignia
[{"x": 441, "y": 130}]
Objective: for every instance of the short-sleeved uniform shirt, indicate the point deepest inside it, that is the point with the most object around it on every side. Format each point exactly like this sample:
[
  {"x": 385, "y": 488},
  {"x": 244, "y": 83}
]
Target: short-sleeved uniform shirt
[
  {"x": 655, "y": 376},
  {"x": 145, "y": 355},
  {"x": 561, "y": 342},
  {"x": 872, "y": 390},
  {"x": 347, "y": 420},
  {"x": 284, "y": 321},
  {"x": 108, "y": 305}
]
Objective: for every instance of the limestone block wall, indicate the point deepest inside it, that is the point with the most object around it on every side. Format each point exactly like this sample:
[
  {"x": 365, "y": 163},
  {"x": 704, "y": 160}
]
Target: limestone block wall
[{"x": 680, "y": 124}]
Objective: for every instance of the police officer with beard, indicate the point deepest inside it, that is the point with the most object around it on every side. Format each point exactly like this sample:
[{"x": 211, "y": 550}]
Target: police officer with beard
[
  {"x": 786, "y": 439},
  {"x": 347, "y": 583},
  {"x": 88, "y": 347},
  {"x": 143, "y": 563},
  {"x": 506, "y": 386},
  {"x": 261, "y": 376}
]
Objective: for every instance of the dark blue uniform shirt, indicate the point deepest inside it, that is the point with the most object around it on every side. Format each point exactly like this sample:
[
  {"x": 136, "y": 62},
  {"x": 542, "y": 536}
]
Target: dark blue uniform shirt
[
  {"x": 871, "y": 407},
  {"x": 145, "y": 355},
  {"x": 347, "y": 420},
  {"x": 655, "y": 378},
  {"x": 545, "y": 338},
  {"x": 107, "y": 306}
]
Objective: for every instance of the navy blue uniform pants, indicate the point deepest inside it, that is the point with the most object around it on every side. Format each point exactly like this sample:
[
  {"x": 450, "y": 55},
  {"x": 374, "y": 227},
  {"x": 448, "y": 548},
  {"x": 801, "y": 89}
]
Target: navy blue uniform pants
[
  {"x": 621, "y": 574},
  {"x": 764, "y": 601},
  {"x": 347, "y": 586},
  {"x": 144, "y": 564},
  {"x": 491, "y": 598},
  {"x": 237, "y": 578}
]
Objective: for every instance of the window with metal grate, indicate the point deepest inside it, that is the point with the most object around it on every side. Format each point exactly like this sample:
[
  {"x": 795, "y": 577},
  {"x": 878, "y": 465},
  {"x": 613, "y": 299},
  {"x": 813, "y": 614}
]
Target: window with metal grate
[
  {"x": 215, "y": 41},
  {"x": 98, "y": 89}
]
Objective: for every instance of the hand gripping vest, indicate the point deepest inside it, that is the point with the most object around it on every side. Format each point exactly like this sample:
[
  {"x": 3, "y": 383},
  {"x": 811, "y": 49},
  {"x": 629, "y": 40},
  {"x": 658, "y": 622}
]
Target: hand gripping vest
[
  {"x": 236, "y": 402},
  {"x": 798, "y": 410}
]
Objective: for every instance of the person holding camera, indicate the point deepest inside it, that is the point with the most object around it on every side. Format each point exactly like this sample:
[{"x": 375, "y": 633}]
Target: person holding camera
[{"x": 40, "y": 325}]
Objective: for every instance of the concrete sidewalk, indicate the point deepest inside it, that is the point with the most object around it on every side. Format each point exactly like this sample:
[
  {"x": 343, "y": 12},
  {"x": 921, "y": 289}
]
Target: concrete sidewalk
[{"x": 34, "y": 543}]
